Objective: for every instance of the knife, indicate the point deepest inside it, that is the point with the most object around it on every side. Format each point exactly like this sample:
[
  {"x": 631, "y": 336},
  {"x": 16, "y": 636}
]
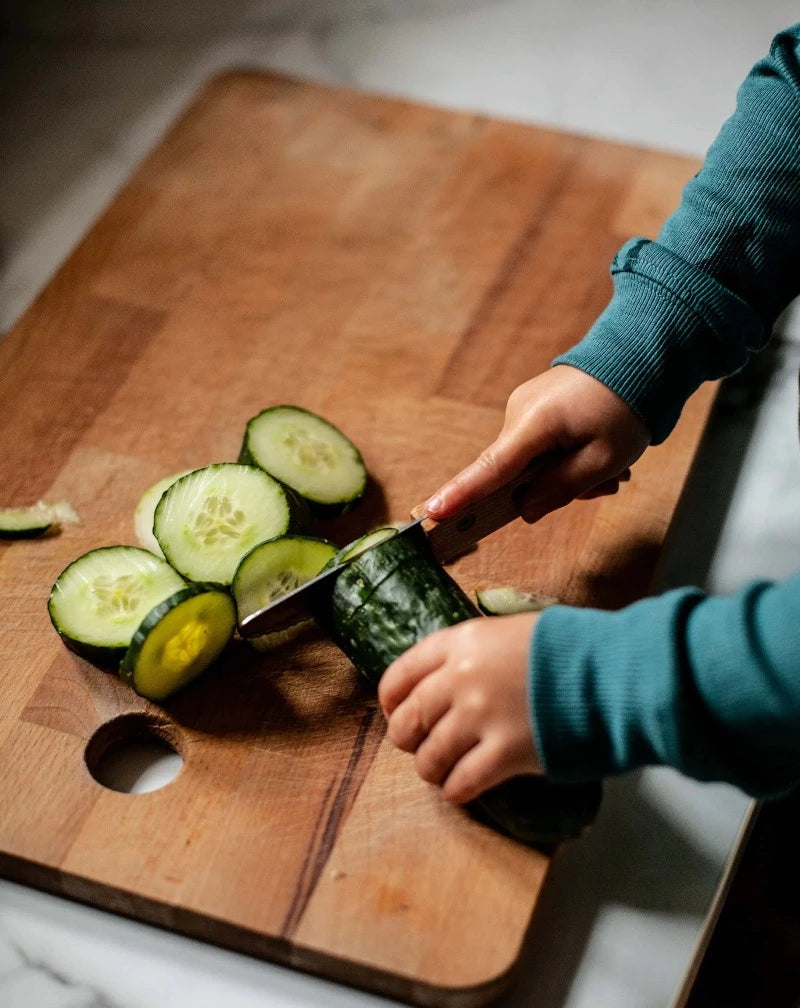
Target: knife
[{"x": 449, "y": 538}]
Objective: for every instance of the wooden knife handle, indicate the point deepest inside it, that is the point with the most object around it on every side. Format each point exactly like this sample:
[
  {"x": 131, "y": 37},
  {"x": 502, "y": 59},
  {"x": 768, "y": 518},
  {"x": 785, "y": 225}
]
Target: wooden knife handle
[{"x": 458, "y": 533}]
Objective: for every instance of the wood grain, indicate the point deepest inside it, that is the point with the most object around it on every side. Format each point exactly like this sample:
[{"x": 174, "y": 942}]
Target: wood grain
[{"x": 398, "y": 269}]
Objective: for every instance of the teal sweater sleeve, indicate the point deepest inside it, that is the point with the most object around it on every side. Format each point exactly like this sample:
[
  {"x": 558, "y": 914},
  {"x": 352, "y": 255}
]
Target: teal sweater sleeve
[
  {"x": 696, "y": 303},
  {"x": 708, "y": 685}
]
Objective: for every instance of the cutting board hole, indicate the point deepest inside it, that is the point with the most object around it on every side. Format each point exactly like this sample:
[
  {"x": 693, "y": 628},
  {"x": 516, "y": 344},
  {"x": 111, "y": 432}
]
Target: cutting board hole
[{"x": 134, "y": 754}]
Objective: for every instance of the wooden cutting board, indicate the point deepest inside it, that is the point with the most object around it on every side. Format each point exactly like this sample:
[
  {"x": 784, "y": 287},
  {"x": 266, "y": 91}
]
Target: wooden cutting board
[{"x": 399, "y": 270}]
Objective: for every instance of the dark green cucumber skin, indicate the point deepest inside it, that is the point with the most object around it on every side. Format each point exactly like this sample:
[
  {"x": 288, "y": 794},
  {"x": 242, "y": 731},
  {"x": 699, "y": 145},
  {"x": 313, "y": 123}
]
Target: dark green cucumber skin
[
  {"x": 313, "y": 510},
  {"x": 127, "y": 665},
  {"x": 539, "y": 811},
  {"x": 106, "y": 658},
  {"x": 33, "y": 532},
  {"x": 386, "y": 600}
]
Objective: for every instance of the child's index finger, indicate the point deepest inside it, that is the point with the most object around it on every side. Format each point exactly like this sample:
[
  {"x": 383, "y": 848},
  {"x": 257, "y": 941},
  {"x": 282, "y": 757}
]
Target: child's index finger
[
  {"x": 410, "y": 668},
  {"x": 497, "y": 465},
  {"x": 460, "y": 491}
]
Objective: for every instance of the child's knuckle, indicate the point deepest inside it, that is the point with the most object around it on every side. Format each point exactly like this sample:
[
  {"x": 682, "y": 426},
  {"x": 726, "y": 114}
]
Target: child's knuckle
[
  {"x": 431, "y": 762},
  {"x": 475, "y": 704}
]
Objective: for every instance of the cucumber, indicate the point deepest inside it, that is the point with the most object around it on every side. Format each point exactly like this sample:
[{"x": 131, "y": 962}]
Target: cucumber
[
  {"x": 177, "y": 640},
  {"x": 35, "y": 520},
  {"x": 99, "y": 600},
  {"x": 146, "y": 509},
  {"x": 391, "y": 596},
  {"x": 309, "y": 455},
  {"x": 207, "y": 520},
  {"x": 364, "y": 542},
  {"x": 387, "y": 598},
  {"x": 272, "y": 569},
  {"x": 505, "y": 601},
  {"x": 537, "y": 810}
]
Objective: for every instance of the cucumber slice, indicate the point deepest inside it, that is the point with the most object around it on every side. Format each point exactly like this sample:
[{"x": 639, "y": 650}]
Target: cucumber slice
[
  {"x": 36, "y": 520},
  {"x": 100, "y": 599},
  {"x": 505, "y": 600},
  {"x": 177, "y": 640},
  {"x": 365, "y": 542},
  {"x": 146, "y": 509},
  {"x": 272, "y": 569},
  {"x": 307, "y": 454},
  {"x": 207, "y": 520}
]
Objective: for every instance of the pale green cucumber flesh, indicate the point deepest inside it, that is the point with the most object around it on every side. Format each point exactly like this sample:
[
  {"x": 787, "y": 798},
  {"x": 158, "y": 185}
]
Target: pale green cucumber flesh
[
  {"x": 272, "y": 569},
  {"x": 146, "y": 509},
  {"x": 34, "y": 520},
  {"x": 278, "y": 638},
  {"x": 99, "y": 600},
  {"x": 178, "y": 640},
  {"x": 25, "y": 522},
  {"x": 506, "y": 600},
  {"x": 209, "y": 519},
  {"x": 309, "y": 455},
  {"x": 365, "y": 542}
]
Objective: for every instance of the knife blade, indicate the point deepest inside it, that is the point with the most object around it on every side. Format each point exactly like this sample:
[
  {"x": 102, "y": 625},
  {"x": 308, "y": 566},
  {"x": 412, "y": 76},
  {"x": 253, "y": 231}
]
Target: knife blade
[{"x": 449, "y": 538}]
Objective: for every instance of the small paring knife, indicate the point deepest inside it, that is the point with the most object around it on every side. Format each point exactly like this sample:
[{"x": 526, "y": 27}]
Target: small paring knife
[{"x": 449, "y": 538}]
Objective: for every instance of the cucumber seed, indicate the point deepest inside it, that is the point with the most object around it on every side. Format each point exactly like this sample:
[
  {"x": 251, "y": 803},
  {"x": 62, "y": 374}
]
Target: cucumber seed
[
  {"x": 116, "y": 596},
  {"x": 308, "y": 451},
  {"x": 182, "y": 649},
  {"x": 282, "y": 582},
  {"x": 217, "y": 520}
]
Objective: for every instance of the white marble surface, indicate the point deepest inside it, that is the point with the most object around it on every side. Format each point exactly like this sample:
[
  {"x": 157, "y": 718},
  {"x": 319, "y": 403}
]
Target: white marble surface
[
  {"x": 615, "y": 927},
  {"x": 86, "y": 89}
]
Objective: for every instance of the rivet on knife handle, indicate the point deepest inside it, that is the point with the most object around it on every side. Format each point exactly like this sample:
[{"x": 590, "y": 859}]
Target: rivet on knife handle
[{"x": 458, "y": 533}]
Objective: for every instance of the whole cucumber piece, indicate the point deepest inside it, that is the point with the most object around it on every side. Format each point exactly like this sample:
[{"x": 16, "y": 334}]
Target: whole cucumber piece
[{"x": 391, "y": 596}]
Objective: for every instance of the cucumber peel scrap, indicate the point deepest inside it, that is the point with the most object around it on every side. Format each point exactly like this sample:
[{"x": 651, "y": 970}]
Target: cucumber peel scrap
[
  {"x": 507, "y": 600},
  {"x": 36, "y": 520}
]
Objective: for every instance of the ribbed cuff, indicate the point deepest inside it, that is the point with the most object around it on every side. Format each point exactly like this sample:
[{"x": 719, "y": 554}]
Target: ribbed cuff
[{"x": 669, "y": 327}]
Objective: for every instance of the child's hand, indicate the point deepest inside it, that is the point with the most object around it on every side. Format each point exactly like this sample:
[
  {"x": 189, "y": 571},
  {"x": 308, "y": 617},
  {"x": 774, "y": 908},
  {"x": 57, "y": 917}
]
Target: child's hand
[
  {"x": 585, "y": 434},
  {"x": 458, "y": 699}
]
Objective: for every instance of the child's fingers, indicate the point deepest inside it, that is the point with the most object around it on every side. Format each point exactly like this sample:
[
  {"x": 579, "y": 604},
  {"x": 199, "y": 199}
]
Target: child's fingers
[
  {"x": 608, "y": 487},
  {"x": 406, "y": 671},
  {"x": 566, "y": 477},
  {"x": 447, "y": 743},
  {"x": 457, "y": 493},
  {"x": 416, "y": 716},
  {"x": 479, "y": 769},
  {"x": 605, "y": 489}
]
